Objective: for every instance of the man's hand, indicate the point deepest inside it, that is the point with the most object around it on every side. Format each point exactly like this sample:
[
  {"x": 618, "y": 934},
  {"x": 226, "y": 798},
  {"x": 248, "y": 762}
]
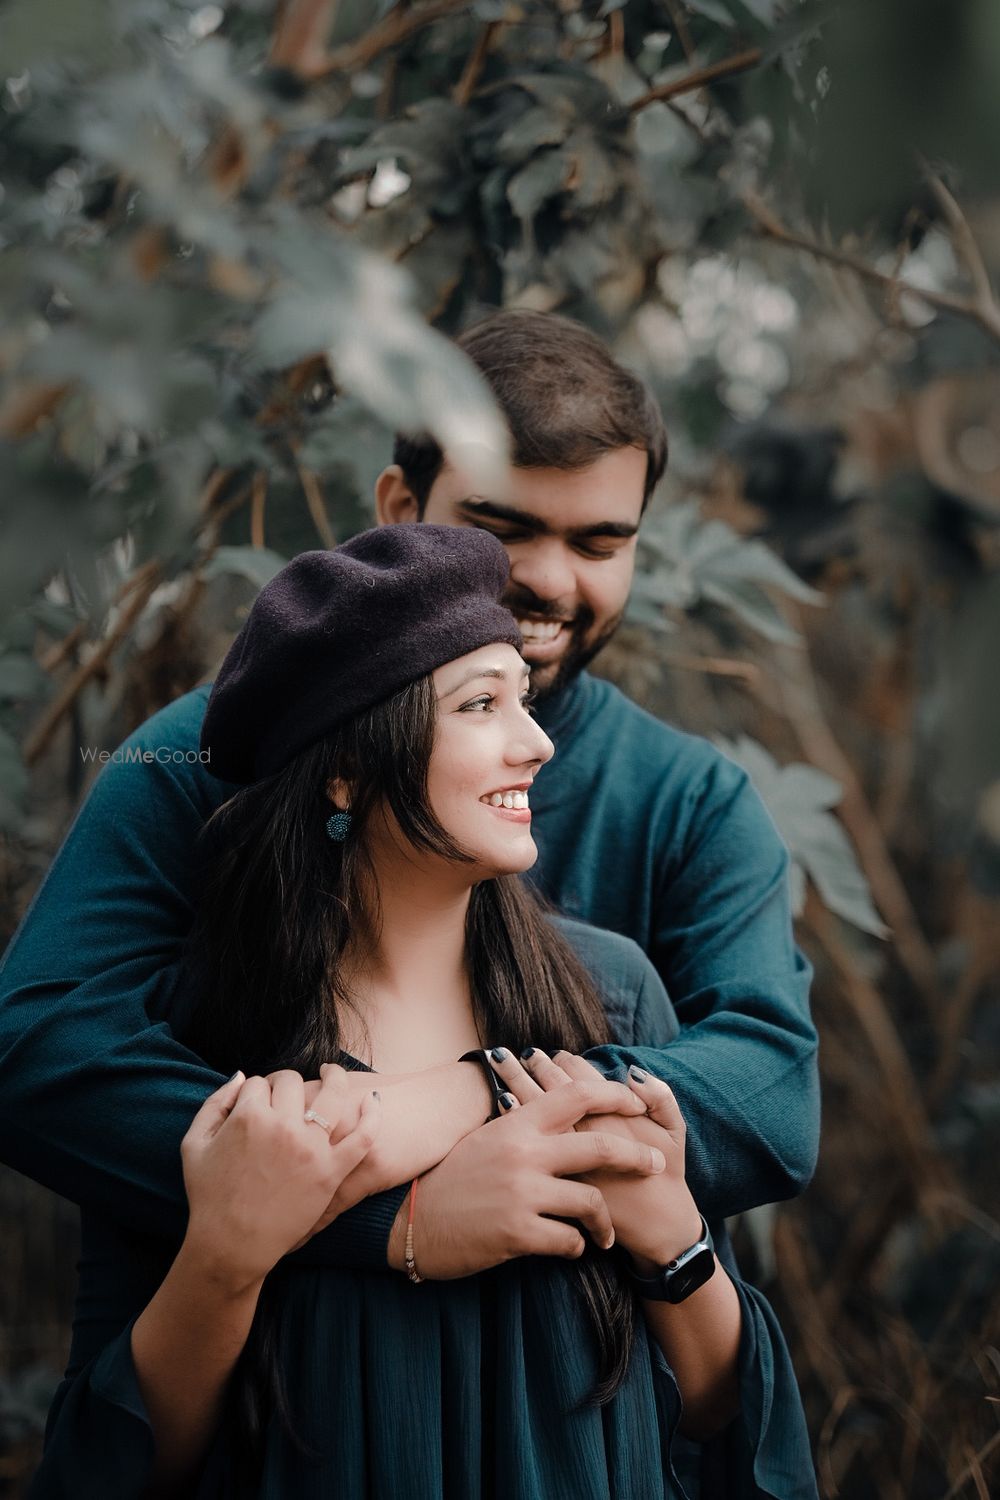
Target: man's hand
[
  {"x": 505, "y": 1190},
  {"x": 654, "y": 1218}
]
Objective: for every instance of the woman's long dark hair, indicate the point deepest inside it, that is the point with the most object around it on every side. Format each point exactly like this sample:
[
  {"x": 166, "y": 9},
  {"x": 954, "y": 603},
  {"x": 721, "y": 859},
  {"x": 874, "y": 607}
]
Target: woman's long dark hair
[{"x": 279, "y": 905}]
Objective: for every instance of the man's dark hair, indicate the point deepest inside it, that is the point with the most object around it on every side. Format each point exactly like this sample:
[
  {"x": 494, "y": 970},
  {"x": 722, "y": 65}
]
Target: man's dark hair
[{"x": 566, "y": 400}]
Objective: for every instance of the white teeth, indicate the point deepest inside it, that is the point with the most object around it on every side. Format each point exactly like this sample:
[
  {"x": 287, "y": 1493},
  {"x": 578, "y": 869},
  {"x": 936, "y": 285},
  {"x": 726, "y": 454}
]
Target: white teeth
[
  {"x": 540, "y": 630},
  {"x": 506, "y": 799}
]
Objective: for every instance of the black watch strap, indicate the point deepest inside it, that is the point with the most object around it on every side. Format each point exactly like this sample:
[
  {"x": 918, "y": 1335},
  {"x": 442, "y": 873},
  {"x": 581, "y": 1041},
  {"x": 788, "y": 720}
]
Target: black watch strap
[
  {"x": 481, "y": 1056},
  {"x": 681, "y": 1276}
]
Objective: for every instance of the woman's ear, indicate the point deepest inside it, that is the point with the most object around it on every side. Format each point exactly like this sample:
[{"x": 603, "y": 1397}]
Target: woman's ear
[
  {"x": 394, "y": 500},
  {"x": 339, "y": 792}
]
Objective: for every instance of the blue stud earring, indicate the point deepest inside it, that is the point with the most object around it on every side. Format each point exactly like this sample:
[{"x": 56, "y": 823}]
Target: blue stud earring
[{"x": 338, "y": 826}]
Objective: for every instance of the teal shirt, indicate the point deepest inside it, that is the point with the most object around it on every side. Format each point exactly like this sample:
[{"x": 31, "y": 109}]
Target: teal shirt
[
  {"x": 641, "y": 829},
  {"x": 447, "y": 1391}
]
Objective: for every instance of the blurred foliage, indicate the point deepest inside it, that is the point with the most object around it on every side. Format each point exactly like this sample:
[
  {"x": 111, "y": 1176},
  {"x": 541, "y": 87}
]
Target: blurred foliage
[{"x": 227, "y": 233}]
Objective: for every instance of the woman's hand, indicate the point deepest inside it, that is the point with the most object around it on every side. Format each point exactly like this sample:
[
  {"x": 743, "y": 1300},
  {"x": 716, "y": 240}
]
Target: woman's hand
[
  {"x": 503, "y": 1190},
  {"x": 259, "y": 1177},
  {"x": 654, "y": 1218}
]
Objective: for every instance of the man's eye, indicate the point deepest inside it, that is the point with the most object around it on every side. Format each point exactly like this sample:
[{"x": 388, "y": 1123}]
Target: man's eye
[
  {"x": 598, "y": 553},
  {"x": 482, "y": 703}
]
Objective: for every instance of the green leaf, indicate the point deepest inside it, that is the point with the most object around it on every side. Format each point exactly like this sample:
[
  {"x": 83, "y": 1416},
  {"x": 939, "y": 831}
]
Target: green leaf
[
  {"x": 698, "y": 559},
  {"x": 712, "y": 10},
  {"x": 799, "y": 799},
  {"x": 21, "y": 677},
  {"x": 763, "y": 11},
  {"x": 538, "y": 126},
  {"x": 543, "y": 178},
  {"x": 258, "y": 564}
]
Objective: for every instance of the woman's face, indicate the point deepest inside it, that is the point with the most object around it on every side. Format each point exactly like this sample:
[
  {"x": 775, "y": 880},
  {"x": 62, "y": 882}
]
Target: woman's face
[{"x": 486, "y": 752}]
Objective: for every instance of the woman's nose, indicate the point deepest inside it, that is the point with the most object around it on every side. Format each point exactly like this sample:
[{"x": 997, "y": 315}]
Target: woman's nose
[{"x": 531, "y": 746}]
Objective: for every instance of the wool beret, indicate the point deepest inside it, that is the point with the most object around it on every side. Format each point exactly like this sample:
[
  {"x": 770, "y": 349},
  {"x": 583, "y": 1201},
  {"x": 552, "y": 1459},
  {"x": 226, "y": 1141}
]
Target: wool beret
[{"x": 338, "y": 631}]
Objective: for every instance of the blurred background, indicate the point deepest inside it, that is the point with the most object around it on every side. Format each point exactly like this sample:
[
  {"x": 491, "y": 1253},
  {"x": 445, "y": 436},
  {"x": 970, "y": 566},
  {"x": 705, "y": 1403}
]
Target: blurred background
[{"x": 234, "y": 239}]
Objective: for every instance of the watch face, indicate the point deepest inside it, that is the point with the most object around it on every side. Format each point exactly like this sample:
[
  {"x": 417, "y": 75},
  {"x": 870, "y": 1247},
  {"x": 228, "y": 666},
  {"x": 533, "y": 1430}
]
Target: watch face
[{"x": 690, "y": 1276}]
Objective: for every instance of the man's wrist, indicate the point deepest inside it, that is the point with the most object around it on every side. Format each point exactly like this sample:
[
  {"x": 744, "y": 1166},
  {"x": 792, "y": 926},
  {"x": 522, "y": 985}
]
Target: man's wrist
[
  {"x": 665, "y": 1239},
  {"x": 476, "y": 1091}
]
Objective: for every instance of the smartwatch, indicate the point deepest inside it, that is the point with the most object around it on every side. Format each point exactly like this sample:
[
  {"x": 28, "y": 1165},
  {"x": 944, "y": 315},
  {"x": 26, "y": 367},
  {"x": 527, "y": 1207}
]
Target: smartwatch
[
  {"x": 481, "y": 1056},
  {"x": 681, "y": 1276}
]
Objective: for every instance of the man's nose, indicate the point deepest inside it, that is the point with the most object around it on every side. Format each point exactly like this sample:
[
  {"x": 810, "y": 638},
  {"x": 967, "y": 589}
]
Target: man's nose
[{"x": 544, "y": 568}]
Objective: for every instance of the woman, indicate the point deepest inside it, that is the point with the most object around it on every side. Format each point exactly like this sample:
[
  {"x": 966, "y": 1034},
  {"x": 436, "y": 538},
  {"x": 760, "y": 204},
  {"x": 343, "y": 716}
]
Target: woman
[{"x": 361, "y": 902}]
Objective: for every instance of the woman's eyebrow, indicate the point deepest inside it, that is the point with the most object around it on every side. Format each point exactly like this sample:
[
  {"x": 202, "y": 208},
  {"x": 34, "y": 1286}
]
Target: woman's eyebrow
[{"x": 477, "y": 672}]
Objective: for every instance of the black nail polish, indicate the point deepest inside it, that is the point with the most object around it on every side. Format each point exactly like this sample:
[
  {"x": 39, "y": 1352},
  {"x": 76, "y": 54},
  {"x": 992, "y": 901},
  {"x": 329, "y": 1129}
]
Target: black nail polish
[
  {"x": 528, "y": 1052},
  {"x": 637, "y": 1074},
  {"x": 506, "y": 1101},
  {"x": 498, "y": 1054}
]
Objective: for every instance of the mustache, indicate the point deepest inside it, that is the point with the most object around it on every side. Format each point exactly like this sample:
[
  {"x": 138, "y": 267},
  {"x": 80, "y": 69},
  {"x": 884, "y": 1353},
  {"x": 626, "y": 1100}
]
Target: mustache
[{"x": 520, "y": 602}]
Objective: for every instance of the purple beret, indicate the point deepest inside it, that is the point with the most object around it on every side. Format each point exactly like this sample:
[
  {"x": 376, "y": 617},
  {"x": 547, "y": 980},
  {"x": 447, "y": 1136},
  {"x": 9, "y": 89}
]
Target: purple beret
[{"x": 335, "y": 632}]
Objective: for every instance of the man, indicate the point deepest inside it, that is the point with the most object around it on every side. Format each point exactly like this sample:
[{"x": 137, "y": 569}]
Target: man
[{"x": 641, "y": 829}]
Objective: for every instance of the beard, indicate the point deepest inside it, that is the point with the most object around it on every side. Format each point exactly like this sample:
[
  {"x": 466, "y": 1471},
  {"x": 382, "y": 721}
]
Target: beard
[{"x": 584, "y": 641}]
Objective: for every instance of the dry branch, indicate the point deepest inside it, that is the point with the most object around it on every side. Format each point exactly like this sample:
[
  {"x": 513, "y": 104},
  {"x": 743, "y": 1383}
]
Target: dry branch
[
  {"x": 985, "y": 314},
  {"x": 300, "y": 35},
  {"x": 727, "y": 67},
  {"x": 258, "y": 499},
  {"x": 903, "y": 1103},
  {"x": 800, "y": 696},
  {"x": 476, "y": 61},
  {"x": 139, "y": 587},
  {"x": 317, "y": 505},
  {"x": 398, "y": 26}
]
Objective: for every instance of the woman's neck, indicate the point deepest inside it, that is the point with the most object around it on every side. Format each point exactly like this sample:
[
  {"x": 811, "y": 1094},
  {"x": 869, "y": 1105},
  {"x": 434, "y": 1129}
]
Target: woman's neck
[{"x": 409, "y": 982}]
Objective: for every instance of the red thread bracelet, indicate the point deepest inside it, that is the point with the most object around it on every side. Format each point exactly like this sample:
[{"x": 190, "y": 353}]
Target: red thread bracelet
[{"x": 411, "y": 1265}]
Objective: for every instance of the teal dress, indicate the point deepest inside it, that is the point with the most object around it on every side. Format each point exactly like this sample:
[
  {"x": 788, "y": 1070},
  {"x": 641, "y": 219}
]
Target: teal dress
[{"x": 458, "y": 1390}]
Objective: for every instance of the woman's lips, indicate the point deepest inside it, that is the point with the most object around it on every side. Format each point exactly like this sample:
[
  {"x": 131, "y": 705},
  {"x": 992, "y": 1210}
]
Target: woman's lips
[{"x": 512, "y": 814}]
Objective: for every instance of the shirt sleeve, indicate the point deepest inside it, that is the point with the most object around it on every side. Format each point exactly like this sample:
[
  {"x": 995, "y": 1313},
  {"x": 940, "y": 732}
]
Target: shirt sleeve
[
  {"x": 98, "y": 1439},
  {"x": 764, "y": 1452},
  {"x": 744, "y": 1066},
  {"x": 96, "y": 1091}
]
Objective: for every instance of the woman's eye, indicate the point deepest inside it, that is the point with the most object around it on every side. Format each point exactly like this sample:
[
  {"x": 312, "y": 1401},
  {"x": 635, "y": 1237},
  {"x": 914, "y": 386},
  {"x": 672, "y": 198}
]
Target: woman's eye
[
  {"x": 483, "y": 703},
  {"x": 527, "y": 699}
]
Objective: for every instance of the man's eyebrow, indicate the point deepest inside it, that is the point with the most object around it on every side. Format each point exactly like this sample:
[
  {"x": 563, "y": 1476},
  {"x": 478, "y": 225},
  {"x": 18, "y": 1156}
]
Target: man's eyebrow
[
  {"x": 493, "y": 510},
  {"x": 476, "y": 672}
]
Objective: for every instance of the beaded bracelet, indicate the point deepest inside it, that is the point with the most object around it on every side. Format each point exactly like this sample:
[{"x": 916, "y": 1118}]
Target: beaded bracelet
[{"x": 411, "y": 1265}]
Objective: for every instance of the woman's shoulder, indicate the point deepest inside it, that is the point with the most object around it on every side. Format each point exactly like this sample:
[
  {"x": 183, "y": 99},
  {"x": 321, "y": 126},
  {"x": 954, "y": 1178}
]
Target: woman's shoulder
[{"x": 623, "y": 975}]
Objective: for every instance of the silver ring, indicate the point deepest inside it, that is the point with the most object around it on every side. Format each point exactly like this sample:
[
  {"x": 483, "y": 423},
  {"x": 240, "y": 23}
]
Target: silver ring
[{"x": 312, "y": 1118}]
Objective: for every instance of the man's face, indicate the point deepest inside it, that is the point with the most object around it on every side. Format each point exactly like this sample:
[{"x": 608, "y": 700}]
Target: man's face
[{"x": 570, "y": 537}]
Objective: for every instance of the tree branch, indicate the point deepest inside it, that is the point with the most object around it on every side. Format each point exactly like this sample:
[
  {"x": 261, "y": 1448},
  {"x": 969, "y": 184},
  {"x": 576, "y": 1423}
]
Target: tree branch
[
  {"x": 476, "y": 61},
  {"x": 987, "y": 316},
  {"x": 963, "y": 240},
  {"x": 258, "y": 498},
  {"x": 300, "y": 35},
  {"x": 740, "y": 62},
  {"x": 317, "y": 507},
  {"x": 140, "y": 586},
  {"x": 394, "y": 28},
  {"x": 680, "y": 24}
]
